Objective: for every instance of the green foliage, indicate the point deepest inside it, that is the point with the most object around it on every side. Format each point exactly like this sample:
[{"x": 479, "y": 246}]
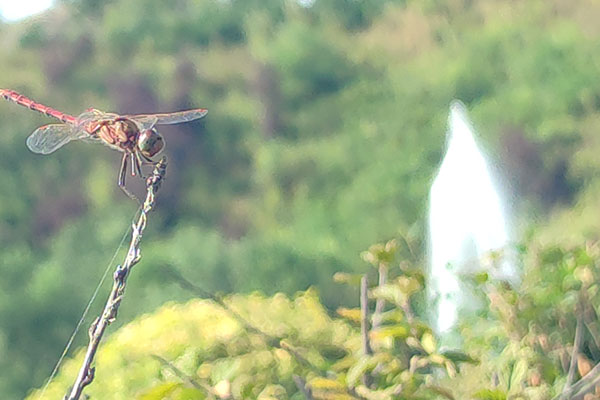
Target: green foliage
[
  {"x": 526, "y": 335},
  {"x": 256, "y": 348},
  {"x": 209, "y": 345},
  {"x": 326, "y": 125}
]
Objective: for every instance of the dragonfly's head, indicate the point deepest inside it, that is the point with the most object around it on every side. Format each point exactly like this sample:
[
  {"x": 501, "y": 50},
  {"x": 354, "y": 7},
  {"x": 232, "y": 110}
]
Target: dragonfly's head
[{"x": 150, "y": 142}]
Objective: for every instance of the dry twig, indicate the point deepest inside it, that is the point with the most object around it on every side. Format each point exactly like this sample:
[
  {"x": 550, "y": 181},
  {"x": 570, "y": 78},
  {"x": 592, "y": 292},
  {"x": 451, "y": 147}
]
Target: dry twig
[{"x": 109, "y": 314}]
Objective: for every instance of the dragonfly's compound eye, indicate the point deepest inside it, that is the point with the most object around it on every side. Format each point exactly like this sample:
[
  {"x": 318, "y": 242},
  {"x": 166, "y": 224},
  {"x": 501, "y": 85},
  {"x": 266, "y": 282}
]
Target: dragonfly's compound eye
[{"x": 150, "y": 142}]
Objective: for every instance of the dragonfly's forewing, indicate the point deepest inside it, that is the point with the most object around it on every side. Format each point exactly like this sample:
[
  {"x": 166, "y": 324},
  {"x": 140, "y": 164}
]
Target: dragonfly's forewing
[
  {"x": 49, "y": 138},
  {"x": 92, "y": 115},
  {"x": 145, "y": 122},
  {"x": 149, "y": 120}
]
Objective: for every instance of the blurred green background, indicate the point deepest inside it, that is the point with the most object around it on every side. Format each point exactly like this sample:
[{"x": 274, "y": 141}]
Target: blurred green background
[{"x": 326, "y": 125}]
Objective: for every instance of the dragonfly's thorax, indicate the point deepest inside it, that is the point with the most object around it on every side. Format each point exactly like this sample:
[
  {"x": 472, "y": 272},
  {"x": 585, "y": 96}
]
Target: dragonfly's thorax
[{"x": 120, "y": 133}]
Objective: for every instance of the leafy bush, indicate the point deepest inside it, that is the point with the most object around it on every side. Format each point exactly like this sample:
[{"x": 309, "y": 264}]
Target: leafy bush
[{"x": 254, "y": 347}]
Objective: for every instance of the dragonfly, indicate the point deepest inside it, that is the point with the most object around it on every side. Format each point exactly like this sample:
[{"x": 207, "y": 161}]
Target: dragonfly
[{"x": 133, "y": 135}]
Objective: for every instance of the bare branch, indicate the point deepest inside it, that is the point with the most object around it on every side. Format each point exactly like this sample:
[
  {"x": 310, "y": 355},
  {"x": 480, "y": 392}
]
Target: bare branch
[{"x": 98, "y": 327}]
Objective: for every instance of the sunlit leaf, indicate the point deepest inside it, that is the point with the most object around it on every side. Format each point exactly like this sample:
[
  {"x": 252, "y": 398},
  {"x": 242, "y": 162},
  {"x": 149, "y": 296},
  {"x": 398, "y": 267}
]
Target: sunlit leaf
[
  {"x": 489, "y": 394},
  {"x": 396, "y": 331},
  {"x": 428, "y": 342},
  {"x": 352, "y": 314}
]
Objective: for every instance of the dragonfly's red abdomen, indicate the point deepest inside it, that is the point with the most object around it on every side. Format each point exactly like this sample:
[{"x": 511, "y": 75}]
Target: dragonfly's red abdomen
[{"x": 18, "y": 98}]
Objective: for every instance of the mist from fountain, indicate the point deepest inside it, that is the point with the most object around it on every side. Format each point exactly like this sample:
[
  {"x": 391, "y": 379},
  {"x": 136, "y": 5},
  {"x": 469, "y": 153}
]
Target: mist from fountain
[{"x": 467, "y": 220}]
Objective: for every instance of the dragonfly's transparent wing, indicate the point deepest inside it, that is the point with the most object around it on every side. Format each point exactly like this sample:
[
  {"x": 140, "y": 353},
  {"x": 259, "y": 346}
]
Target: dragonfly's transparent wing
[
  {"x": 92, "y": 115},
  {"x": 149, "y": 120},
  {"x": 90, "y": 120},
  {"x": 49, "y": 138},
  {"x": 144, "y": 121}
]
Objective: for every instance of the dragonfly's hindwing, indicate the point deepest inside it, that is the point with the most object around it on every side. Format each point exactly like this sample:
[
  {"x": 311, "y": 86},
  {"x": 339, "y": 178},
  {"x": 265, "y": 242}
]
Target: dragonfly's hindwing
[{"x": 49, "y": 138}]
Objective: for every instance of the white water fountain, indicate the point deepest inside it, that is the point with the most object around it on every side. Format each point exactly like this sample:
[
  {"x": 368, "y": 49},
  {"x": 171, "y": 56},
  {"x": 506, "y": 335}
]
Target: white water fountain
[{"x": 466, "y": 221}]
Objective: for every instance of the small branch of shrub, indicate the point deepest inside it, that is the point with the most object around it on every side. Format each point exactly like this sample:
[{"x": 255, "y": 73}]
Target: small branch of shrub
[{"x": 184, "y": 377}]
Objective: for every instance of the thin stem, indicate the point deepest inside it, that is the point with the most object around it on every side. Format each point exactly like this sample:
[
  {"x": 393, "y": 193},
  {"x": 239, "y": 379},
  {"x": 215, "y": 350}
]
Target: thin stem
[
  {"x": 184, "y": 377},
  {"x": 569, "y": 387},
  {"x": 574, "y": 354},
  {"x": 364, "y": 315},
  {"x": 191, "y": 287},
  {"x": 109, "y": 314},
  {"x": 380, "y": 303},
  {"x": 303, "y": 387},
  {"x": 364, "y": 324}
]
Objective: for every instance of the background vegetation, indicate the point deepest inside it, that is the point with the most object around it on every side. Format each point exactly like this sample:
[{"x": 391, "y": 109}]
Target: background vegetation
[{"x": 326, "y": 125}]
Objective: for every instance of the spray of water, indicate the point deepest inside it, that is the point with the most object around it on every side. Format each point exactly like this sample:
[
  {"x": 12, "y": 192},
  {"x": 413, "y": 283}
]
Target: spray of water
[{"x": 466, "y": 221}]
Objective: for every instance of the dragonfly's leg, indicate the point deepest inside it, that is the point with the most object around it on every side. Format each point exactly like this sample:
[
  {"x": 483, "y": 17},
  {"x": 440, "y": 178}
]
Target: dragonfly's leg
[
  {"x": 123, "y": 170},
  {"x": 122, "y": 174},
  {"x": 140, "y": 162},
  {"x": 133, "y": 164},
  {"x": 137, "y": 161}
]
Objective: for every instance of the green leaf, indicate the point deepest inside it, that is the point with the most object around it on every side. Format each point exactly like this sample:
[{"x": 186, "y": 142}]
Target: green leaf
[
  {"x": 441, "y": 391},
  {"x": 458, "y": 356},
  {"x": 363, "y": 365},
  {"x": 396, "y": 331},
  {"x": 408, "y": 285},
  {"x": 161, "y": 391},
  {"x": 349, "y": 279},
  {"x": 173, "y": 391},
  {"x": 487, "y": 394},
  {"x": 481, "y": 277},
  {"x": 320, "y": 383},
  {"x": 391, "y": 293},
  {"x": 357, "y": 370},
  {"x": 352, "y": 314},
  {"x": 518, "y": 374},
  {"x": 428, "y": 342}
]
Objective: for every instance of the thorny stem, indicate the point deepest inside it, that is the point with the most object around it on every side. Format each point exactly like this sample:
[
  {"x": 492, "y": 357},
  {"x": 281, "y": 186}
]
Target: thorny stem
[{"x": 109, "y": 314}]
